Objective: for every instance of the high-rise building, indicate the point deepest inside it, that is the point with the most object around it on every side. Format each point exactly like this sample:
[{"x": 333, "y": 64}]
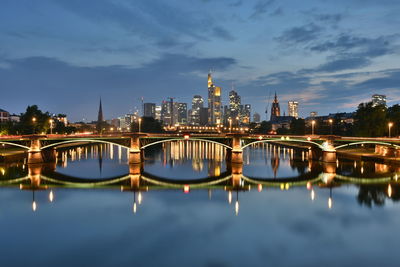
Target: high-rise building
[
  {"x": 214, "y": 103},
  {"x": 158, "y": 113},
  {"x": 149, "y": 110},
  {"x": 378, "y": 100},
  {"x": 256, "y": 117},
  {"x": 275, "y": 109},
  {"x": 234, "y": 104},
  {"x": 182, "y": 113},
  {"x": 203, "y": 116},
  {"x": 293, "y": 107},
  {"x": 245, "y": 114},
  {"x": 166, "y": 113},
  {"x": 197, "y": 104}
]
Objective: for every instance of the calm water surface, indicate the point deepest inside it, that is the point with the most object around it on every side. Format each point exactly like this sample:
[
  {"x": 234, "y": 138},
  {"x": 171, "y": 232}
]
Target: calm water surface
[{"x": 284, "y": 210}]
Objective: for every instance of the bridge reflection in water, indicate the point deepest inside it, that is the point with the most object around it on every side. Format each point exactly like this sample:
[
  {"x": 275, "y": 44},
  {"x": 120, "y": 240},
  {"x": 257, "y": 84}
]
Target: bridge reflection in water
[{"x": 375, "y": 181}]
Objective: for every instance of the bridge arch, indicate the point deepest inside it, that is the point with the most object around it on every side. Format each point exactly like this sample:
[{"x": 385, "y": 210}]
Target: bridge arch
[
  {"x": 13, "y": 144},
  {"x": 82, "y": 141},
  {"x": 183, "y": 139},
  {"x": 367, "y": 142},
  {"x": 286, "y": 140}
]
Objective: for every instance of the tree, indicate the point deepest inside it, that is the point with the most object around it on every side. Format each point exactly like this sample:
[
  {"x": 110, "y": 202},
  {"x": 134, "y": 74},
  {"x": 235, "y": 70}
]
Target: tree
[
  {"x": 298, "y": 126},
  {"x": 370, "y": 121},
  {"x": 393, "y": 114},
  {"x": 148, "y": 125},
  {"x": 33, "y": 121}
]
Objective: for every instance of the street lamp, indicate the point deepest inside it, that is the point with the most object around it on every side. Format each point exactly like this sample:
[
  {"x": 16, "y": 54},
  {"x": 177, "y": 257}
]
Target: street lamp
[
  {"x": 331, "y": 122},
  {"x": 140, "y": 122},
  {"x": 312, "y": 127},
  {"x": 34, "y": 124},
  {"x": 51, "y": 126},
  {"x": 390, "y": 124},
  {"x": 230, "y": 124}
]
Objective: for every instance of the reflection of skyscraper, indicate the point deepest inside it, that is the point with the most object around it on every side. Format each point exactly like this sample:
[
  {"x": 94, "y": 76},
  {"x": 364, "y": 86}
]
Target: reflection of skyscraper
[
  {"x": 293, "y": 107},
  {"x": 275, "y": 109},
  {"x": 214, "y": 102}
]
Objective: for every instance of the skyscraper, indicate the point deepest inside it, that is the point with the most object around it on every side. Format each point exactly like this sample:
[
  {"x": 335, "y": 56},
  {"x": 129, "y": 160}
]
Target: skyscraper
[
  {"x": 149, "y": 110},
  {"x": 197, "y": 104},
  {"x": 214, "y": 102},
  {"x": 293, "y": 107},
  {"x": 245, "y": 114},
  {"x": 378, "y": 100},
  {"x": 234, "y": 104},
  {"x": 275, "y": 109},
  {"x": 182, "y": 113},
  {"x": 256, "y": 117}
]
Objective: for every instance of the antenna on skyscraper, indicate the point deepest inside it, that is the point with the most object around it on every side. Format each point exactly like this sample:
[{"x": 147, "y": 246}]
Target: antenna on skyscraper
[{"x": 142, "y": 106}]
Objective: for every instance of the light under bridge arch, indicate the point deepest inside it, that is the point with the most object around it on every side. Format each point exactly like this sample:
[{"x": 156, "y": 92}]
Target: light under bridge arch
[
  {"x": 367, "y": 142},
  {"x": 183, "y": 139},
  {"x": 13, "y": 144},
  {"x": 287, "y": 140},
  {"x": 83, "y": 141}
]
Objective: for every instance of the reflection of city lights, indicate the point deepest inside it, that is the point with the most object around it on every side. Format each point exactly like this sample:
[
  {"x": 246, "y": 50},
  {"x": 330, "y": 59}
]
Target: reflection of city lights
[
  {"x": 140, "y": 198},
  {"x": 287, "y": 186},
  {"x": 282, "y": 186},
  {"x": 134, "y": 207},
  {"x": 186, "y": 188},
  {"x": 308, "y": 185},
  {"x": 395, "y": 177},
  {"x": 34, "y": 206},
  {"x": 51, "y": 196},
  {"x": 229, "y": 197},
  {"x": 362, "y": 170},
  {"x": 312, "y": 194},
  {"x": 237, "y": 208},
  {"x": 389, "y": 191},
  {"x": 329, "y": 202},
  {"x": 259, "y": 187}
]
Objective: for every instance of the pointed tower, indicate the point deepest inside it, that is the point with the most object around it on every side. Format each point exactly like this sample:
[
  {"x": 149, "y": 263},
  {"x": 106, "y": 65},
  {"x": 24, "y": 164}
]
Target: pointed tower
[
  {"x": 100, "y": 117},
  {"x": 275, "y": 109},
  {"x": 210, "y": 82}
]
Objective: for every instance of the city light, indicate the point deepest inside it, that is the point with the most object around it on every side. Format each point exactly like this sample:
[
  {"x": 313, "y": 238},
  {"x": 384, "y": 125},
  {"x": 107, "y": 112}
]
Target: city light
[{"x": 390, "y": 124}]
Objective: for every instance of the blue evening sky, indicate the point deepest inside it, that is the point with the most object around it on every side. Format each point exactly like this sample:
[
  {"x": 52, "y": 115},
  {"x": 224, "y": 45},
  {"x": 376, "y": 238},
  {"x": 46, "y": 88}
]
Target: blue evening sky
[{"x": 64, "y": 54}]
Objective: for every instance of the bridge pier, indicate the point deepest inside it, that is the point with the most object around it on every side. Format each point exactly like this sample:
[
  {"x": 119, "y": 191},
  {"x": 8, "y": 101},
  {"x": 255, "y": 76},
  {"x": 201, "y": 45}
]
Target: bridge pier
[
  {"x": 236, "y": 154},
  {"x": 34, "y": 153},
  {"x": 329, "y": 156},
  {"x": 135, "y": 153}
]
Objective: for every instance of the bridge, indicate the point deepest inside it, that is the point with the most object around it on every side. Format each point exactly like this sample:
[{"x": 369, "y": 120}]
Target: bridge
[{"x": 42, "y": 148}]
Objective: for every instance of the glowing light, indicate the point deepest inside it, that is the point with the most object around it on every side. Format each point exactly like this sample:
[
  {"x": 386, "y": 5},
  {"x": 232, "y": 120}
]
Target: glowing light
[
  {"x": 186, "y": 188},
  {"x": 308, "y": 185},
  {"x": 259, "y": 187},
  {"x": 34, "y": 206},
  {"x": 134, "y": 207},
  {"x": 186, "y": 136},
  {"x": 140, "y": 198},
  {"x": 237, "y": 208},
  {"x": 287, "y": 186},
  {"x": 51, "y": 196},
  {"x": 395, "y": 177},
  {"x": 282, "y": 186},
  {"x": 260, "y": 137},
  {"x": 308, "y": 138},
  {"x": 229, "y": 197},
  {"x": 330, "y": 203},
  {"x": 312, "y": 194},
  {"x": 389, "y": 191}
]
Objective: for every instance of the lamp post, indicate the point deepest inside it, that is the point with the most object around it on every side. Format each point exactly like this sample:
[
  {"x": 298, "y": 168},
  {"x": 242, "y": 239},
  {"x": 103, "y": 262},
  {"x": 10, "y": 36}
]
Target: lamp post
[
  {"x": 140, "y": 122},
  {"x": 312, "y": 127},
  {"x": 34, "y": 124},
  {"x": 51, "y": 126},
  {"x": 230, "y": 124},
  {"x": 331, "y": 123},
  {"x": 390, "y": 124}
]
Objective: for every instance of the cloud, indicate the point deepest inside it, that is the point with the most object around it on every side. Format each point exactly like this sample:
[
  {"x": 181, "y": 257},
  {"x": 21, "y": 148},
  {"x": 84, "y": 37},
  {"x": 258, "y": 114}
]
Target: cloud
[
  {"x": 343, "y": 64},
  {"x": 261, "y": 7},
  {"x": 222, "y": 33},
  {"x": 60, "y": 87},
  {"x": 300, "y": 35}
]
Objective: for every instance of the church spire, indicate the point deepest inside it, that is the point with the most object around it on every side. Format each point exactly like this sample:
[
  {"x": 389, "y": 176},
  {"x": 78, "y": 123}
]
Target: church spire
[{"x": 100, "y": 117}]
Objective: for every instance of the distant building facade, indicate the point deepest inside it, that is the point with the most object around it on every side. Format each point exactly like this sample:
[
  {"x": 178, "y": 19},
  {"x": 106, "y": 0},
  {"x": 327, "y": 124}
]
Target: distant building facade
[
  {"x": 149, "y": 110},
  {"x": 4, "y": 116},
  {"x": 275, "y": 109},
  {"x": 197, "y": 104},
  {"x": 293, "y": 108},
  {"x": 256, "y": 117}
]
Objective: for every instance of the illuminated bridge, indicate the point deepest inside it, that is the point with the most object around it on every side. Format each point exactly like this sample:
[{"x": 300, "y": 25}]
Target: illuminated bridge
[{"x": 42, "y": 148}]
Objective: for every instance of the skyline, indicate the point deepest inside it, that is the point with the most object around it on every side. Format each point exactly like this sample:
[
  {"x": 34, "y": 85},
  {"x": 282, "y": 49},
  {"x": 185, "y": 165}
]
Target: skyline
[{"x": 72, "y": 52}]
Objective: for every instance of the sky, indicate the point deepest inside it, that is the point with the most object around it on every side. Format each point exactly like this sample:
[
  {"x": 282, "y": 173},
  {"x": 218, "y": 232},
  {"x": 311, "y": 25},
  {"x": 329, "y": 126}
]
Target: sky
[{"x": 63, "y": 55}]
